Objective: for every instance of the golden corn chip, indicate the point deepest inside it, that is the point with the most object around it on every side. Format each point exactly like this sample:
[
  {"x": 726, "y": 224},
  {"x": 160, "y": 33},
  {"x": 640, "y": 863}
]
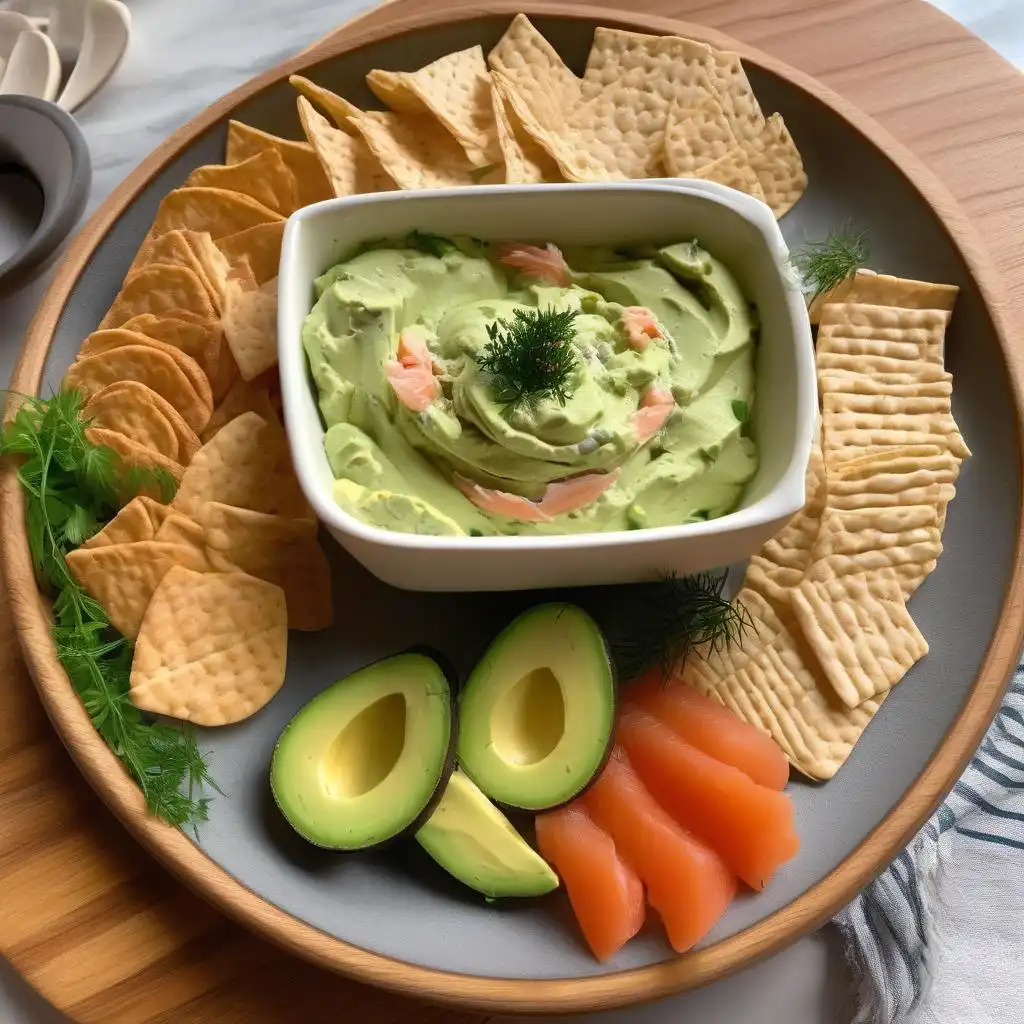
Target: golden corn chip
[
  {"x": 243, "y": 396},
  {"x": 697, "y": 136},
  {"x": 415, "y": 150},
  {"x": 250, "y": 327},
  {"x": 212, "y": 648},
  {"x": 779, "y": 692},
  {"x": 905, "y": 538},
  {"x": 263, "y": 176},
  {"x": 350, "y": 166},
  {"x": 123, "y": 577},
  {"x": 456, "y": 89},
  {"x": 276, "y": 549},
  {"x": 861, "y": 632},
  {"x": 777, "y": 165},
  {"x": 336, "y": 107},
  {"x": 908, "y": 475},
  {"x": 736, "y": 95},
  {"x": 159, "y": 288},
  {"x": 138, "y": 520},
  {"x": 733, "y": 170},
  {"x": 247, "y": 464},
  {"x": 260, "y": 246},
  {"x": 526, "y": 161},
  {"x": 152, "y": 366},
  {"x": 132, "y": 409},
  {"x": 244, "y": 141},
  {"x": 872, "y": 288},
  {"x": 216, "y": 211}
]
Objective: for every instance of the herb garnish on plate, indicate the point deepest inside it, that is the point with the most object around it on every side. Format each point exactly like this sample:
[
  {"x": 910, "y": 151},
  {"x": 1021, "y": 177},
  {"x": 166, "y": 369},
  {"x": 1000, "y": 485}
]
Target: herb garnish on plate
[
  {"x": 71, "y": 489},
  {"x": 823, "y": 265},
  {"x": 531, "y": 358}
]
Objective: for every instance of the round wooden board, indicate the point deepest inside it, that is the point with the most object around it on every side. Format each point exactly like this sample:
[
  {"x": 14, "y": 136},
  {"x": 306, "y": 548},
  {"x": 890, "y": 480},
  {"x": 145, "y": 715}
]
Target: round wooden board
[{"x": 103, "y": 932}]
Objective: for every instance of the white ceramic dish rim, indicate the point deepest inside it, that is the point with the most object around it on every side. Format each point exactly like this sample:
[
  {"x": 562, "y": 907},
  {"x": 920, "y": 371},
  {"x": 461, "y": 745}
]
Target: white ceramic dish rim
[{"x": 294, "y": 379}]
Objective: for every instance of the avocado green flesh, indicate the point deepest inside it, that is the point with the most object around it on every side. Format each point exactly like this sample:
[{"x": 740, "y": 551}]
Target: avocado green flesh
[
  {"x": 537, "y": 713},
  {"x": 395, "y": 468},
  {"x": 475, "y": 843},
  {"x": 360, "y": 763}
]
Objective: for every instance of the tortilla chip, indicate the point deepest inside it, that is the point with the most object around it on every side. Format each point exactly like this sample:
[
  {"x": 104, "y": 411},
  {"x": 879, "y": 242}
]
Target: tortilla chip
[
  {"x": 250, "y": 327},
  {"x": 526, "y": 161},
  {"x": 264, "y": 176},
  {"x": 279, "y": 550},
  {"x": 159, "y": 288},
  {"x": 212, "y": 648},
  {"x": 244, "y": 141},
  {"x": 347, "y": 160},
  {"x": 861, "y": 632},
  {"x": 132, "y": 409},
  {"x": 247, "y": 464},
  {"x": 153, "y": 365},
  {"x": 456, "y": 89},
  {"x": 215, "y": 211},
  {"x": 123, "y": 577},
  {"x": 905, "y": 538},
  {"x": 260, "y": 246},
  {"x": 138, "y": 520}
]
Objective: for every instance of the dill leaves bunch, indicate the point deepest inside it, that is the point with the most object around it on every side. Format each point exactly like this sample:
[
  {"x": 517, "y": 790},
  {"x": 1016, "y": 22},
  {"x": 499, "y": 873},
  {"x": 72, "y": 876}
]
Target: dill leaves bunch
[
  {"x": 825, "y": 264},
  {"x": 72, "y": 489},
  {"x": 531, "y": 357}
]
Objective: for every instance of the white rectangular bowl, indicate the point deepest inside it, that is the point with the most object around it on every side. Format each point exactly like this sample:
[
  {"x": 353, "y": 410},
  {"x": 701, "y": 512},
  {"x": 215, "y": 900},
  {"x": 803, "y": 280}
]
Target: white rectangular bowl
[{"x": 738, "y": 230}]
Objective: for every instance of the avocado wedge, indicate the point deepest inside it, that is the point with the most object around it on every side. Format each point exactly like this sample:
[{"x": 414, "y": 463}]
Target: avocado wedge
[
  {"x": 537, "y": 713},
  {"x": 474, "y": 842},
  {"x": 362, "y": 762}
]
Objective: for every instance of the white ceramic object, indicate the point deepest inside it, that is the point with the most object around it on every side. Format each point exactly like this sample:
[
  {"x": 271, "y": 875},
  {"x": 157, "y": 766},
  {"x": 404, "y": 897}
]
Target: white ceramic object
[
  {"x": 66, "y": 27},
  {"x": 12, "y": 24},
  {"x": 737, "y": 229},
  {"x": 106, "y": 30},
  {"x": 33, "y": 68}
]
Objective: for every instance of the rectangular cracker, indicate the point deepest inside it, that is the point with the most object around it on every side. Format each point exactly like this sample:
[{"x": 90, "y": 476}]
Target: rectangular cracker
[
  {"x": 908, "y": 475},
  {"x": 861, "y": 632},
  {"x": 867, "y": 286},
  {"x": 904, "y": 538},
  {"x": 923, "y": 328}
]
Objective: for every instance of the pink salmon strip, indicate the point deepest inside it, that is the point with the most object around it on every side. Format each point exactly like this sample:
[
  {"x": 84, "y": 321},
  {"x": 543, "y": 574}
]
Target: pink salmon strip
[
  {"x": 655, "y": 408},
  {"x": 411, "y": 375},
  {"x": 640, "y": 325},
  {"x": 546, "y": 263}
]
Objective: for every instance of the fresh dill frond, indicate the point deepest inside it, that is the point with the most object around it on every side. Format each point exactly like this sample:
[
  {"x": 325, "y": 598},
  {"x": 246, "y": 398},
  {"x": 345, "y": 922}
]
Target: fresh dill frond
[
  {"x": 531, "y": 358},
  {"x": 71, "y": 490},
  {"x": 666, "y": 621},
  {"x": 823, "y": 265}
]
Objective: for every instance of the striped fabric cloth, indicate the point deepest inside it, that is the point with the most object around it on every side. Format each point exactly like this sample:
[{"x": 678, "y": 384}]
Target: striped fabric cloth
[{"x": 938, "y": 938}]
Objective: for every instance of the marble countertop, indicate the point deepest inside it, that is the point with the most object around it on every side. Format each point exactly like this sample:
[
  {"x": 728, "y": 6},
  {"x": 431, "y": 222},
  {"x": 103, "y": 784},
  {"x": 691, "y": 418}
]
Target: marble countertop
[{"x": 169, "y": 75}]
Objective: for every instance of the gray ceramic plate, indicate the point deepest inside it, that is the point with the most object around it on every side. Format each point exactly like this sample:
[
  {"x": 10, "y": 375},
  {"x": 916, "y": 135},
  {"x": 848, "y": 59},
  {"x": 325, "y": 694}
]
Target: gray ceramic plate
[{"x": 398, "y": 904}]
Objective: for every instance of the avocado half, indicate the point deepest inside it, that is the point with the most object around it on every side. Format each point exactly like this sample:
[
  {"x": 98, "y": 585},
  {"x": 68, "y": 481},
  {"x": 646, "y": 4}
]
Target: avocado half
[
  {"x": 363, "y": 761},
  {"x": 474, "y": 842},
  {"x": 537, "y": 713}
]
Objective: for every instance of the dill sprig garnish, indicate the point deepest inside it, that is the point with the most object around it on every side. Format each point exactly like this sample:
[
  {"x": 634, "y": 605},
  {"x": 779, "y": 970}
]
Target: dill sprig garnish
[
  {"x": 531, "y": 358},
  {"x": 664, "y": 622},
  {"x": 823, "y": 265},
  {"x": 72, "y": 488}
]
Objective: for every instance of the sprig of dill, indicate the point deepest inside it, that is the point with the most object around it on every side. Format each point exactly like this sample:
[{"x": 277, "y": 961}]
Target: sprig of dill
[
  {"x": 664, "y": 622},
  {"x": 531, "y": 358},
  {"x": 72, "y": 488},
  {"x": 823, "y": 265}
]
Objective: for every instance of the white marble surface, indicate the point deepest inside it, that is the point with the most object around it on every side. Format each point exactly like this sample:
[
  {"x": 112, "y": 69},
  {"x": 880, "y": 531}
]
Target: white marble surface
[{"x": 170, "y": 73}]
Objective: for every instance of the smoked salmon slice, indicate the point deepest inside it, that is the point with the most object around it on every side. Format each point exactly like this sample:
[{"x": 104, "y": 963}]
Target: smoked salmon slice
[
  {"x": 713, "y": 728},
  {"x": 606, "y": 895},
  {"x": 655, "y": 408},
  {"x": 569, "y": 495},
  {"x": 502, "y": 503},
  {"x": 411, "y": 374},
  {"x": 749, "y": 826},
  {"x": 640, "y": 325},
  {"x": 687, "y": 883},
  {"x": 545, "y": 263}
]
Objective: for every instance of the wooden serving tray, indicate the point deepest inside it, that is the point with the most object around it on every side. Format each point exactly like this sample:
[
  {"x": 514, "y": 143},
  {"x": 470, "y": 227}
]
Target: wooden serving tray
[{"x": 105, "y": 933}]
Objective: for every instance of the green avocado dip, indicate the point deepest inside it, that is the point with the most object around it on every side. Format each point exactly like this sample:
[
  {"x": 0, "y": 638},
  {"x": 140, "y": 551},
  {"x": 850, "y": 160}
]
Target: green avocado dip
[{"x": 474, "y": 389}]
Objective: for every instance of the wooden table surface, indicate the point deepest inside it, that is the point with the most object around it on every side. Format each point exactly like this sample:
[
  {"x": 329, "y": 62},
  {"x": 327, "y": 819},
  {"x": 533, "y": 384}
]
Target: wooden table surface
[{"x": 101, "y": 929}]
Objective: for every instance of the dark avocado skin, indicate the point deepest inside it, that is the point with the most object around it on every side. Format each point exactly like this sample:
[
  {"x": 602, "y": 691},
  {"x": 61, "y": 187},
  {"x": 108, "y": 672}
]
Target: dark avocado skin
[
  {"x": 616, "y": 706},
  {"x": 447, "y": 768}
]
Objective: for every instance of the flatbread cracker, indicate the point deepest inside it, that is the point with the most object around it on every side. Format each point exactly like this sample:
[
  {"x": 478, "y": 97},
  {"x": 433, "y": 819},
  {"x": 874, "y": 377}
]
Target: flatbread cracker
[
  {"x": 123, "y": 577},
  {"x": 159, "y": 288},
  {"x": 867, "y": 286},
  {"x": 733, "y": 170},
  {"x": 212, "y": 648},
  {"x": 908, "y": 475},
  {"x": 250, "y": 327},
  {"x": 776, "y": 162},
  {"x": 526, "y": 161},
  {"x": 243, "y": 396},
  {"x": 264, "y": 176},
  {"x": 925, "y": 329},
  {"x": 861, "y": 632},
  {"x": 138, "y": 520},
  {"x": 905, "y": 538},
  {"x": 697, "y": 136},
  {"x": 260, "y": 246},
  {"x": 245, "y": 141}
]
